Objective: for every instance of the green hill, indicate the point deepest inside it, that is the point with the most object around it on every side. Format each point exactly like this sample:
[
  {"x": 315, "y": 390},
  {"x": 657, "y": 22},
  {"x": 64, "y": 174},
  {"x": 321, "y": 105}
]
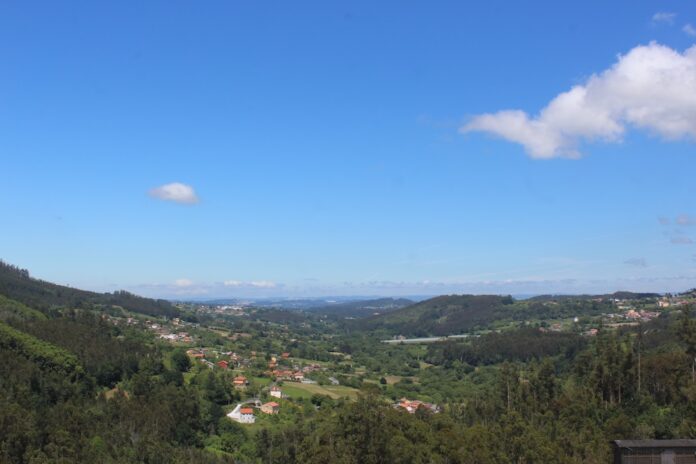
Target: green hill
[
  {"x": 456, "y": 314},
  {"x": 16, "y": 284}
]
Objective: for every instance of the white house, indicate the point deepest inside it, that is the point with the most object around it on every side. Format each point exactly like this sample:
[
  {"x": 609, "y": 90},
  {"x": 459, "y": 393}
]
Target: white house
[
  {"x": 243, "y": 415},
  {"x": 276, "y": 392}
]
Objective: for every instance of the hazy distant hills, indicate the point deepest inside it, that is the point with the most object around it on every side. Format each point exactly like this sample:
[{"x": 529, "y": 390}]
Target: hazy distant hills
[
  {"x": 339, "y": 307},
  {"x": 18, "y": 285},
  {"x": 622, "y": 295},
  {"x": 362, "y": 308}
]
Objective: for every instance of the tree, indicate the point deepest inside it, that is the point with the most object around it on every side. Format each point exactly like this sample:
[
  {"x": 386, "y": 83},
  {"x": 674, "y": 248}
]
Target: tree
[
  {"x": 687, "y": 334},
  {"x": 180, "y": 360}
]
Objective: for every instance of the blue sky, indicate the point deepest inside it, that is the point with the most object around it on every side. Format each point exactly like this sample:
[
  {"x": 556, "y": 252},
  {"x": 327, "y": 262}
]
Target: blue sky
[{"x": 349, "y": 148}]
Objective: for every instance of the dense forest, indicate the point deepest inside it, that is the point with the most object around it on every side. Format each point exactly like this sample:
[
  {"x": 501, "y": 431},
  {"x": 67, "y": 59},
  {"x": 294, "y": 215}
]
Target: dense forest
[
  {"x": 79, "y": 385},
  {"x": 17, "y": 284}
]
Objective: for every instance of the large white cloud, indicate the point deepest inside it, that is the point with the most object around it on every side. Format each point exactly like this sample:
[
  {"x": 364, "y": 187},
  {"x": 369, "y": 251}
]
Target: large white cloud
[
  {"x": 177, "y": 192},
  {"x": 652, "y": 88}
]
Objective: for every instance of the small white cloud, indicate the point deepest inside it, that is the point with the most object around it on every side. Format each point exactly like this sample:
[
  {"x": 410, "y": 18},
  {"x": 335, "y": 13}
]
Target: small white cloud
[
  {"x": 183, "y": 283},
  {"x": 652, "y": 87},
  {"x": 252, "y": 284},
  {"x": 176, "y": 192},
  {"x": 664, "y": 17},
  {"x": 689, "y": 30},
  {"x": 263, "y": 284}
]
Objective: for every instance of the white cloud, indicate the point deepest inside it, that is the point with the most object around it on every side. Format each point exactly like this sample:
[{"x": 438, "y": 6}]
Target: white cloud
[
  {"x": 177, "y": 192},
  {"x": 262, "y": 284},
  {"x": 183, "y": 282},
  {"x": 689, "y": 30},
  {"x": 252, "y": 284},
  {"x": 664, "y": 17},
  {"x": 652, "y": 87}
]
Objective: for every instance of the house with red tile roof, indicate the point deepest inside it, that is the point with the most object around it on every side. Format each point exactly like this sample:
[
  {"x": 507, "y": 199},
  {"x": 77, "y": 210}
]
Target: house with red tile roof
[{"x": 270, "y": 408}]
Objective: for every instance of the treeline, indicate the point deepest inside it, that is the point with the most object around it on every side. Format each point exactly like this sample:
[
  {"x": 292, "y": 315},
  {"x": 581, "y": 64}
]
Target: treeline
[
  {"x": 17, "y": 284},
  {"x": 519, "y": 345}
]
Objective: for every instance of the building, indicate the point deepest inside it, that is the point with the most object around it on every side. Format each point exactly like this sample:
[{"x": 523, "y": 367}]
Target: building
[
  {"x": 654, "y": 451},
  {"x": 411, "y": 406},
  {"x": 285, "y": 355},
  {"x": 240, "y": 382},
  {"x": 270, "y": 408},
  {"x": 222, "y": 364},
  {"x": 276, "y": 392},
  {"x": 195, "y": 354},
  {"x": 243, "y": 415}
]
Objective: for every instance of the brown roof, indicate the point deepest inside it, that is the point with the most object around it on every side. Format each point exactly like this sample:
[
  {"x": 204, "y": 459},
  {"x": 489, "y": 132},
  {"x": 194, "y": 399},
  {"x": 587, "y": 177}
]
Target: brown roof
[{"x": 246, "y": 411}]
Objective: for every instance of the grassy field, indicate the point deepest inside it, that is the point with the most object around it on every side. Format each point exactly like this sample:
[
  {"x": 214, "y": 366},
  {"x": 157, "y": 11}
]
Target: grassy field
[{"x": 302, "y": 390}]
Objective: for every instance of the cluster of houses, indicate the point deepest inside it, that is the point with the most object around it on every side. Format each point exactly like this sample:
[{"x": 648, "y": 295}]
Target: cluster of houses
[
  {"x": 296, "y": 374},
  {"x": 235, "y": 360},
  {"x": 244, "y": 412},
  {"x": 172, "y": 334},
  {"x": 411, "y": 406}
]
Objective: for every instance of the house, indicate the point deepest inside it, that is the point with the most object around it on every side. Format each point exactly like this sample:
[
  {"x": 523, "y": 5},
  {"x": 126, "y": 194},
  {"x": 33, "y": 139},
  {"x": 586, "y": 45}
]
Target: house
[
  {"x": 411, "y": 406},
  {"x": 270, "y": 408},
  {"x": 285, "y": 355},
  {"x": 334, "y": 381},
  {"x": 240, "y": 382},
  {"x": 223, "y": 364},
  {"x": 298, "y": 376},
  {"x": 195, "y": 354},
  {"x": 276, "y": 392},
  {"x": 659, "y": 451},
  {"x": 243, "y": 415}
]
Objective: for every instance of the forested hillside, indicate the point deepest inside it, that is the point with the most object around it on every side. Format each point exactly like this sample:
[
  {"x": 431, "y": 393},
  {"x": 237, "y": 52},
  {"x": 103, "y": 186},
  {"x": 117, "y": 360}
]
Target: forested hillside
[
  {"x": 362, "y": 308},
  {"x": 18, "y": 285},
  {"x": 456, "y": 314}
]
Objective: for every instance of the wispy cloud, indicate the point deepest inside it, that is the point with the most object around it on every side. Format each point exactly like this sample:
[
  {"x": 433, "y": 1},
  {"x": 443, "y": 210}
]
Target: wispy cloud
[
  {"x": 637, "y": 262},
  {"x": 176, "y": 192},
  {"x": 681, "y": 240},
  {"x": 664, "y": 17},
  {"x": 252, "y": 284},
  {"x": 689, "y": 30},
  {"x": 652, "y": 87},
  {"x": 183, "y": 283},
  {"x": 685, "y": 220}
]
